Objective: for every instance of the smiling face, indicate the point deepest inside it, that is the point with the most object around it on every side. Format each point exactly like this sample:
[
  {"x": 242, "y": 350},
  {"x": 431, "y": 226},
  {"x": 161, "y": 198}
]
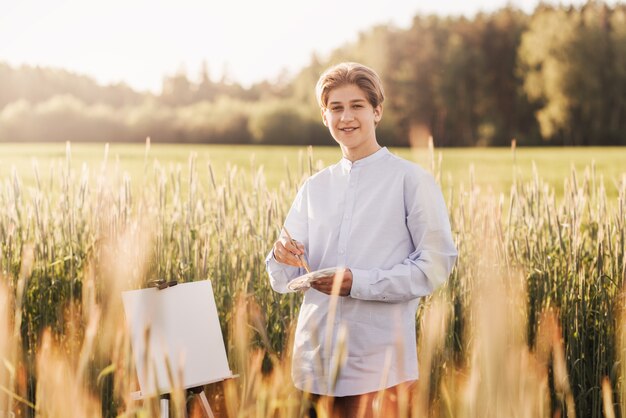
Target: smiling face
[{"x": 352, "y": 121}]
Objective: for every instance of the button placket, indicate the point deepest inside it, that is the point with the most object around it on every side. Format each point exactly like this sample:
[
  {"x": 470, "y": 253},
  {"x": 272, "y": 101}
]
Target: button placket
[{"x": 344, "y": 232}]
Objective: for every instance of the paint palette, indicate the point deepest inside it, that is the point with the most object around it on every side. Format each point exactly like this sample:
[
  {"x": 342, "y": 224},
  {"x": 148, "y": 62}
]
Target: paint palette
[{"x": 304, "y": 282}]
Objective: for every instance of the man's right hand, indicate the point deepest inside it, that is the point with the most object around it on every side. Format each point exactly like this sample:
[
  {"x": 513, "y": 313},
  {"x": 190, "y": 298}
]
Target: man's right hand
[{"x": 287, "y": 251}]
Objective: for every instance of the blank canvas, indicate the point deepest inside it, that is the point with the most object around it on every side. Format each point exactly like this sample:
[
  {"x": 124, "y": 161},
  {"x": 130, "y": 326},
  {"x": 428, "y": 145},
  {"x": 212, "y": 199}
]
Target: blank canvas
[{"x": 177, "y": 325}]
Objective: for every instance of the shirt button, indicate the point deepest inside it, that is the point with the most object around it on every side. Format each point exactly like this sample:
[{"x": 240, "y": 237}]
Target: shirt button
[{"x": 341, "y": 251}]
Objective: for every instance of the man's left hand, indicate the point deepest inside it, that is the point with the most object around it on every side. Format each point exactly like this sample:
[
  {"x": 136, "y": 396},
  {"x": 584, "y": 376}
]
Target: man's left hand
[{"x": 325, "y": 284}]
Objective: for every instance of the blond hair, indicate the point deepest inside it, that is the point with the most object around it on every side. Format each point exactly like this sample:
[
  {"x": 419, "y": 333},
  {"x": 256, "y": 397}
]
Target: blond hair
[{"x": 350, "y": 73}]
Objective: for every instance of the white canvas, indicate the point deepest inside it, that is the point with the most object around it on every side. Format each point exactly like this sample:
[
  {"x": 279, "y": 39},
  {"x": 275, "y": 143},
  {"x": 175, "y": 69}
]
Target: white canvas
[{"x": 177, "y": 325}]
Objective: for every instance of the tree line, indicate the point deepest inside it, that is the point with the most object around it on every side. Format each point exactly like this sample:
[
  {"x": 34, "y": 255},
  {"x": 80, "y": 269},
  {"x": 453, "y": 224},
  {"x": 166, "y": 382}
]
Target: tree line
[{"x": 554, "y": 77}]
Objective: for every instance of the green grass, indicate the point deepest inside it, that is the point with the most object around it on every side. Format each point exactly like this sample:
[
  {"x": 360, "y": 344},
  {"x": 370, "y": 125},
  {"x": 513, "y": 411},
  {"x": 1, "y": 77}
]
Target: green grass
[{"x": 493, "y": 168}]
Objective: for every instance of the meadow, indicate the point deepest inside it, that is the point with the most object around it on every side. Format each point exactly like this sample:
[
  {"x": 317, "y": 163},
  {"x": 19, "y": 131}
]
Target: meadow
[
  {"x": 492, "y": 169},
  {"x": 529, "y": 324}
]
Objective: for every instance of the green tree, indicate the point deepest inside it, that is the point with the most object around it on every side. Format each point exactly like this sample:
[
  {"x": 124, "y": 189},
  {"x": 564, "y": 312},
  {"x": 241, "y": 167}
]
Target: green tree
[
  {"x": 284, "y": 122},
  {"x": 177, "y": 90},
  {"x": 505, "y": 112},
  {"x": 573, "y": 68}
]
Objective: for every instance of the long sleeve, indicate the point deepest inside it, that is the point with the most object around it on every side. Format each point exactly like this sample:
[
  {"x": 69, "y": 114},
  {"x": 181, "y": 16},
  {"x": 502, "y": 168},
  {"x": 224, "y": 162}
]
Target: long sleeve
[
  {"x": 425, "y": 268},
  {"x": 296, "y": 222}
]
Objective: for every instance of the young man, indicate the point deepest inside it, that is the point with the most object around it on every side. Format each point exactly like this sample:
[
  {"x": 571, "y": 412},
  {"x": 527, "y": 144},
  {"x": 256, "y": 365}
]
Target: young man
[{"x": 384, "y": 221}]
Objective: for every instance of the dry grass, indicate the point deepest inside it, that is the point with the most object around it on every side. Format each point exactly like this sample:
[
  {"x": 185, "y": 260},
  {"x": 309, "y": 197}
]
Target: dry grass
[{"x": 529, "y": 324}]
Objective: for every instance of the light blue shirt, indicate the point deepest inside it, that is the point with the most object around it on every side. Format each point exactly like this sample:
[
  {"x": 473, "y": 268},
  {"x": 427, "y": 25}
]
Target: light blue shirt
[{"x": 385, "y": 219}]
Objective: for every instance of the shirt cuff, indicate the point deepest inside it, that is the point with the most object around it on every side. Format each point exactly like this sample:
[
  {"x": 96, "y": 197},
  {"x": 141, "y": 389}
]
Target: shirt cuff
[
  {"x": 280, "y": 274},
  {"x": 274, "y": 266},
  {"x": 360, "y": 283}
]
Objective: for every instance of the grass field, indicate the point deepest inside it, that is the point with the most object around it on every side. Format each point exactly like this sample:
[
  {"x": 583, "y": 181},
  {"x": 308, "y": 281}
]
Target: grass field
[
  {"x": 493, "y": 168},
  {"x": 530, "y": 323}
]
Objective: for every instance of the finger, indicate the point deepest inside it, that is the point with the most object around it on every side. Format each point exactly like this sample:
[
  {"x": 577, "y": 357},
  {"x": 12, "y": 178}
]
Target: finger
[
  {"x": 283, "y": 255},
  {"x": 327, "y": 280},
  {"x": 292, "y": 246},
  {"x": 321, "y": 288},
  {"x": 325, "y": 285},
  {"x": 280, "y": 252},
  {"x": 296, "y": 247},
  {"x": 279, "y": 249}
]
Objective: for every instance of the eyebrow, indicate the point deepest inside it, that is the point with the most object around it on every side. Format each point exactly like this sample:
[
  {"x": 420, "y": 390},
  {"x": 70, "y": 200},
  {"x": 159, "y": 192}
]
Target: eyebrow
[{"x": 351, "y": 101}]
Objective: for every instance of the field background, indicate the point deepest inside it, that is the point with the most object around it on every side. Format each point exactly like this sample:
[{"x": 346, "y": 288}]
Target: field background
[
  {"x": 529, "y": 323},
  {"x": 493, "y": 168}
]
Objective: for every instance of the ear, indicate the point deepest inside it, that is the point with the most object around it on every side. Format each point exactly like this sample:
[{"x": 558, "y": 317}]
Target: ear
[
  {"x": 378, "y": 113},
  {"x": 324, "y": 121}
]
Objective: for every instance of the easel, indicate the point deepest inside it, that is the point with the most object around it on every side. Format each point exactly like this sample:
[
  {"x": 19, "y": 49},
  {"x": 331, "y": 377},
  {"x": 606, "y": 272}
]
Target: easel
[
  {"x": 166, "y": 315},
  {"x": 164, "y": 401},
  {"x": 197, "y": 391}
]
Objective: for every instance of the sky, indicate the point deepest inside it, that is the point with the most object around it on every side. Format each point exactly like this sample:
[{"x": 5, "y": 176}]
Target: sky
[{"x": 138, "y": 42}]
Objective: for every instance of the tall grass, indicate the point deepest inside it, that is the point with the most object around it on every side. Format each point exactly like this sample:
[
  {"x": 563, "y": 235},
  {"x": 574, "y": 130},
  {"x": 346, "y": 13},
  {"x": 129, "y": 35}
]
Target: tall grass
[{"x": 528, "y": 324}]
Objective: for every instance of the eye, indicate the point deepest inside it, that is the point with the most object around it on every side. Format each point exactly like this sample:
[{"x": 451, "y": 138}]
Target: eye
[
  {"x": 335, "y": 108},
  {"x": 357, "y": 106}
]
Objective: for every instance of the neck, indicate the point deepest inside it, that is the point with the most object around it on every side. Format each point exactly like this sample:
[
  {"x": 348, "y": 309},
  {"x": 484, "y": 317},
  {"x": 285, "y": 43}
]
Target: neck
[{"x": 358, "y": 154}]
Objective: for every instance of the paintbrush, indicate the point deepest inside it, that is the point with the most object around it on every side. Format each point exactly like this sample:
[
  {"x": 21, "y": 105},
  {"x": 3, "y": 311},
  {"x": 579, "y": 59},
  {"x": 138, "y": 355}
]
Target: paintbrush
[{"x": 300, "y": 257}]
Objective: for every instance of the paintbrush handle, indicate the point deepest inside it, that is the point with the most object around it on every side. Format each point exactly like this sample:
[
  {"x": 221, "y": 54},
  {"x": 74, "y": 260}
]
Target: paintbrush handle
[{"x": 300, "y": 257}]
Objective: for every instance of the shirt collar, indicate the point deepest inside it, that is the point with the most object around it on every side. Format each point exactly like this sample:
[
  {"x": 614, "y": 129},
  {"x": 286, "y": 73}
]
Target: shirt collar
[{"x": 347, "y": 164}]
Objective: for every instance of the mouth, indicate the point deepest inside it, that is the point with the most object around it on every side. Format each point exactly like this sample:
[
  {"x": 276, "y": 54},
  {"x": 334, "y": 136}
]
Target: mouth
[{"x": 348, "y": 129}]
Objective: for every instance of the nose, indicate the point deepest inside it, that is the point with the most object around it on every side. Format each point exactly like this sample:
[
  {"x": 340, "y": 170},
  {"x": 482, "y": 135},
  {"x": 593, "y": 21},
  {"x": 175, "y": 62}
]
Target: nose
[{"x": 347, "y": 115}]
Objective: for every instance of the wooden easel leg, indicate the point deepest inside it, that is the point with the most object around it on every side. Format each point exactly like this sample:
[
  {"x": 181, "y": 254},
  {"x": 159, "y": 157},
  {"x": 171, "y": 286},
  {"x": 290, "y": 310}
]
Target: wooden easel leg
[
  {"x": 165, "y": 408},
  {"x": 205, "y": 405}
]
